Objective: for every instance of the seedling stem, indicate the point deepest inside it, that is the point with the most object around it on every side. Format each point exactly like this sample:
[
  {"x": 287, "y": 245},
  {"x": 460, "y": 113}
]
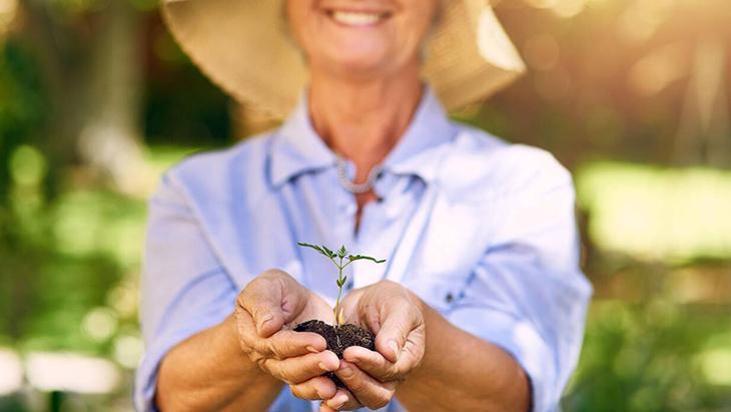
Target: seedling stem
[{"x": 337, "y": 259}]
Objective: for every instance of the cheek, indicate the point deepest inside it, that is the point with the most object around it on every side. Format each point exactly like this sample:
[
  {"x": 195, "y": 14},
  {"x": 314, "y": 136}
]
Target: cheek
[
  {"x": 299, "y": 20},
  {"x": 416, "y": 24}
]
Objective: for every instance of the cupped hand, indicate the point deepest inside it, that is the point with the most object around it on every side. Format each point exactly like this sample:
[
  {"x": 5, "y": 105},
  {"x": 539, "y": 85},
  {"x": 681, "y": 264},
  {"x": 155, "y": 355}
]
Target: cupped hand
[
  {"x": 395, "y": 315},
  {"x": 266, "y": 311}
]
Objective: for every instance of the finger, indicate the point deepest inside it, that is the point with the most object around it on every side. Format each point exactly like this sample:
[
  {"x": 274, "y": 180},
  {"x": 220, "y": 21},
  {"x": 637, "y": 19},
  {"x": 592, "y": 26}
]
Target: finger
[
  {"x": 262, "y": 299},
  {"x": 303, "y": 368},
  {"x": 295, "y": 297},
  {"x": 376, "y": 365},
  {"x": 372, "y": 363},
  {"x": 325, "y": 408},
  {"x": 395, "y": 329},
  {"x": 316, "y": 309},
  {"x": 349, "y": 306},
  {"x": 273, "y": 299},
  {"x": 281, "y": 345},
  {"x": 251, "y": 343},
  {"x": 368, "y": 391},
  {"x": 288, "y": 343},
  {"x": 342, "y": 401},
  {"x": 317, "y": 388}
]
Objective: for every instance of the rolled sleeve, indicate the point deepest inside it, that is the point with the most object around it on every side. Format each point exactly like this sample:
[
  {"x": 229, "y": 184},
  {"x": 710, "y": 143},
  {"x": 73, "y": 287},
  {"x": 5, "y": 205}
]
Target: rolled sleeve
[
  {"x": 184, "y": 288},
  {"x": 527, "y": 293}
]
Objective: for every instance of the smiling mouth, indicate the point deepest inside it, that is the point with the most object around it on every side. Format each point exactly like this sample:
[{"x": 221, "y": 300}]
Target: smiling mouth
[{"x": 357, "y": 18}]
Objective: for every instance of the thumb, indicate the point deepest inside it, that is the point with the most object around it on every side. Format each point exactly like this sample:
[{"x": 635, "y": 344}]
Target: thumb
[
  {"x": 276, "y": 299},
  {"x": 349, "y": 307},
  {"x": 391, "y": 337},
  {"x": 262, "y": 299},
  {"x": 268, "y": 317}
]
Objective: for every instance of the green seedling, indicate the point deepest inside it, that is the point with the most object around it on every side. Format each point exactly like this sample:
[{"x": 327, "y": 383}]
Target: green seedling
[{"x": 337, "y": 258}]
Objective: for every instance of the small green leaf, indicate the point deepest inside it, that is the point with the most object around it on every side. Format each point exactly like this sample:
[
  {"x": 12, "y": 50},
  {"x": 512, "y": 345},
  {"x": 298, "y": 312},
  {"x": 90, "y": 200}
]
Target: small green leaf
[
  {"x": 341, "y": 253},
  {"x": 353, "y": 258},
  {"x": 317, "y": 248},
  {"x": 330, "y": 253}
]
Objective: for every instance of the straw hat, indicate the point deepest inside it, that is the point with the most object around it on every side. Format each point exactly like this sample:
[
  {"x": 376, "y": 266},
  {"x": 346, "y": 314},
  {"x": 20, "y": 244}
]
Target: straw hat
[{"x": 243, "y": 47}]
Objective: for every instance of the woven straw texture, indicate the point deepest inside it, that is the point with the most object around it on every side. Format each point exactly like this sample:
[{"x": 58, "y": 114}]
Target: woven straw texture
[{"x": 243, "y": 47}]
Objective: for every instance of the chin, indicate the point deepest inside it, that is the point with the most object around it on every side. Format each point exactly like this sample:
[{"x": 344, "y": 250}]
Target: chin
[
  {"x": 355, "y": 63},
  {"x": 360, "y": 67}
]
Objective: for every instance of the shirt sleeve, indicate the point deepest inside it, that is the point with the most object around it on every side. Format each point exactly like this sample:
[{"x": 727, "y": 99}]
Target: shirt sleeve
[
  {"x": 184, "y": 288},
  {"x": 527, "y": 294}
]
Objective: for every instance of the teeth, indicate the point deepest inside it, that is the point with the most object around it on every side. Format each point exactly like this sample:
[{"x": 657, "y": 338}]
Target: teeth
[{"x": 355, "y": 18}]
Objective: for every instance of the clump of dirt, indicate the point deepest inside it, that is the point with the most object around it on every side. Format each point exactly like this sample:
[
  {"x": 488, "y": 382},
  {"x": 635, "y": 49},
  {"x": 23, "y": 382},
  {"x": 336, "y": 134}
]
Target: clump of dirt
[{"x": 339, "y": 338}]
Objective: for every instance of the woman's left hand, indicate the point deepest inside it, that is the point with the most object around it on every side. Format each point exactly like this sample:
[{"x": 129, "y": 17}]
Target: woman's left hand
[{"x": 395, "y": 315}]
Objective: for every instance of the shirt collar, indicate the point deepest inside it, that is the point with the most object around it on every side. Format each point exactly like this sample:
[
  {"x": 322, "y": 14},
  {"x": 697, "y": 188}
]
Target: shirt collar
[{"x": 297, "y": 148}]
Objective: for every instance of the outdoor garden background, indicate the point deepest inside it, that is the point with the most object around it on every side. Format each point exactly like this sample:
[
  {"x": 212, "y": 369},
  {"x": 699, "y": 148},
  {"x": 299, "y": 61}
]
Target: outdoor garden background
[{"x": 96, "y": 100}]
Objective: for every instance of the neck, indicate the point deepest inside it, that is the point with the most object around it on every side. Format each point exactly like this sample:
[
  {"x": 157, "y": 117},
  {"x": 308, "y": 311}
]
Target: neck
[{"x": 362, "y": 120}]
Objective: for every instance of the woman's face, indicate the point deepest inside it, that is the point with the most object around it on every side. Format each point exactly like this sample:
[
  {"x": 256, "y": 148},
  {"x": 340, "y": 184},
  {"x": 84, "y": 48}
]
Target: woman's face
[{"x": 361, "y": 37}]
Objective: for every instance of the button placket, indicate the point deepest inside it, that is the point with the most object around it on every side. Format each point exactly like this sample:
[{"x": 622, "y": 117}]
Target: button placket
[
  {"x": 377, "y": 234},
  {"x": 348, "y": 209},
  {"x": 341, "y": 220},
  {"x": 360, "y": 271}
]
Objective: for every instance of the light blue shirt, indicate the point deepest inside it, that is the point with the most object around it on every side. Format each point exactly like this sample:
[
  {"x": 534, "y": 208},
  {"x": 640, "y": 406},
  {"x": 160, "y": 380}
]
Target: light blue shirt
[{"x": 480, "y": 229}]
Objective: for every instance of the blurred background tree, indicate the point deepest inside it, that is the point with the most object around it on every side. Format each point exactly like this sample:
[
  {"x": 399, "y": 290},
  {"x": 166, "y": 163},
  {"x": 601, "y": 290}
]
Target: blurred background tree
[{"x": 96, "y": 100}]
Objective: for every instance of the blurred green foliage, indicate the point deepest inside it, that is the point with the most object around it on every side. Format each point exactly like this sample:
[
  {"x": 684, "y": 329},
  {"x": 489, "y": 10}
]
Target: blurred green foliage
[
  {"x": 23, "y": 105},
  {"x": 649, "y": 357},
  {"x": 653, "y": 212}
]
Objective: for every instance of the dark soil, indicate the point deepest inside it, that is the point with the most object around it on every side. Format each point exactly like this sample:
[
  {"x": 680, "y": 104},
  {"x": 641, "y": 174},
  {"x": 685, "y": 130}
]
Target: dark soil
[{"x": 339, "y": 338}]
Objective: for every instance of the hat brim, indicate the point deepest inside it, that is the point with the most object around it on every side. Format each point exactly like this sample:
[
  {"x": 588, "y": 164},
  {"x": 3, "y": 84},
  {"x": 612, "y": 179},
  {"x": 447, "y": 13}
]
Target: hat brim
[{"x": 243, "y": 47}]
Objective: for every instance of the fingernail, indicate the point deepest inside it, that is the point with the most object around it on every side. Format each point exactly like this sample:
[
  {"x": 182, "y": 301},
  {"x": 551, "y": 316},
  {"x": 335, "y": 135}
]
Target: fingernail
[
  {"x": 346, "y": 372},
  {"x": 323, "y": 366},
  {"x": 264, "y": 319},
  {"x": 338, "y": 401},
  {"x": 319, "y": 394},
  {"x": 394, "y": 347},
  {"x": 312, "y": 349}
]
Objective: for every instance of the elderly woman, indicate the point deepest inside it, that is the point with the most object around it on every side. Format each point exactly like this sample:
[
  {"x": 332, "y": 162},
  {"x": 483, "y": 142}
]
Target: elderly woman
[{"x": 481, "y": 303}]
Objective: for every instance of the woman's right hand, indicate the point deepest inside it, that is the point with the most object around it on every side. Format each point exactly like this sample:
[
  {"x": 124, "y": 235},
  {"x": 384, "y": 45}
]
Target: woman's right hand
[{"x": 266, "y": 311}]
